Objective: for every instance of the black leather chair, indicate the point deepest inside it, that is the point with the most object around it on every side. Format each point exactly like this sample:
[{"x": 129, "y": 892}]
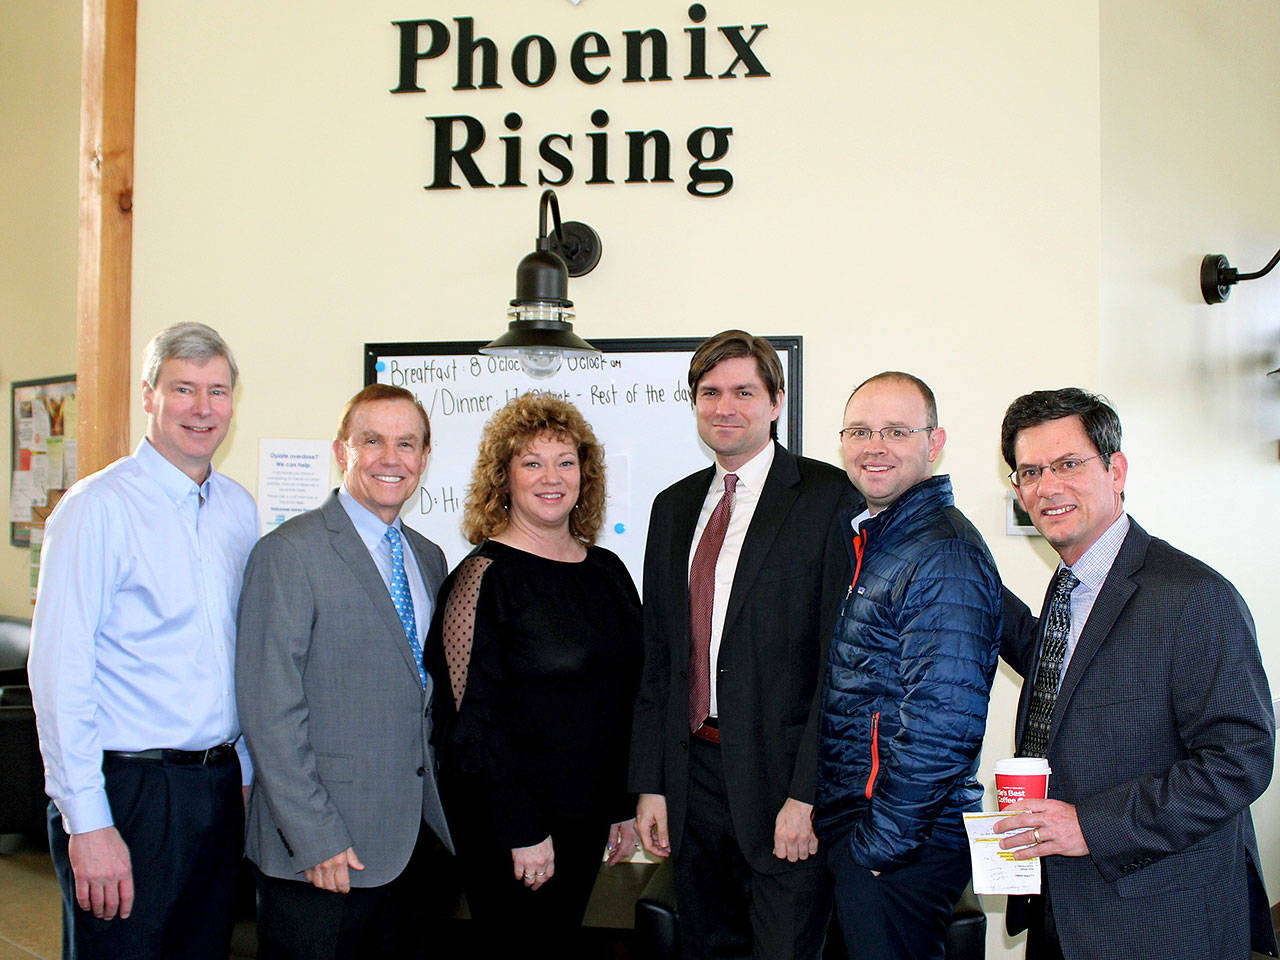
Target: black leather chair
[
  {"x": 15, "y": 642},
  {"x": 22, "y": 799},
  {"x": 658, "y": 924}
]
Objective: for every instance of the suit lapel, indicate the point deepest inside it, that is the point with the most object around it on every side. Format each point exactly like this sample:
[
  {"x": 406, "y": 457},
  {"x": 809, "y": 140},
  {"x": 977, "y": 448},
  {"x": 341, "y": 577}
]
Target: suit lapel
[
  {"x": 1115, "y": 593},
  {"x": 781, "y": 487},
  {"x": 351, "y": 549}
]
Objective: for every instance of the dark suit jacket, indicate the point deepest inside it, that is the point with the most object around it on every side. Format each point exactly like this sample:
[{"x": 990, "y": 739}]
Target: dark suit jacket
[
  {"x": 331, "y": 704},
  {"x": 791, "y": 574},
  {"x": 1162, "y": 735}
]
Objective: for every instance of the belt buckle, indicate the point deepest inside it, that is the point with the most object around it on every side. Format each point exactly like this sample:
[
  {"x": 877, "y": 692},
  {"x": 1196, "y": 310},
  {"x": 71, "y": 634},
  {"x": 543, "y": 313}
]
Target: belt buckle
[{"x": 211, "y": 754}]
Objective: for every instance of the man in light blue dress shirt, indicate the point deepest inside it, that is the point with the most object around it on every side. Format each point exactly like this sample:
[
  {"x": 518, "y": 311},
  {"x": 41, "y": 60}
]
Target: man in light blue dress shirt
[
  {"x": 132, "y": 671},
  {"x": 345, "y": 825}
]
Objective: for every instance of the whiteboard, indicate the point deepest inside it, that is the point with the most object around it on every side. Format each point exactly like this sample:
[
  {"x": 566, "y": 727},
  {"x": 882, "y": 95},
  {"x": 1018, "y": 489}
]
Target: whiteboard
[{"x": 635, "y": 396}]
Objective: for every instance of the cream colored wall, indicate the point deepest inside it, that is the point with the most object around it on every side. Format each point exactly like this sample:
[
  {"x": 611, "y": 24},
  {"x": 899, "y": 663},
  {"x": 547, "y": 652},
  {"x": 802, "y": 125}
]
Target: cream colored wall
[
  {"x": 898, "y": 182},
  {"x": 40, "y": 118},
  {"x": 914, "y": 188},
  {"x": 1190, "y": 133}
]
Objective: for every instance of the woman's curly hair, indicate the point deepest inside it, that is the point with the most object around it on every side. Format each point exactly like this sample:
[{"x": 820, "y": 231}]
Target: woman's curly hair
[{"x": 507, "y": 434}]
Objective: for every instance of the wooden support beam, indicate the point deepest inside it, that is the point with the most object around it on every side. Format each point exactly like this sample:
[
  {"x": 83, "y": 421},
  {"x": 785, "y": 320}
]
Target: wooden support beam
[{"x": 106, "y": 231}]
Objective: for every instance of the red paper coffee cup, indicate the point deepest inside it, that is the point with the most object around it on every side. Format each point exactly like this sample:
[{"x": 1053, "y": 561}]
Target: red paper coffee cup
[{"x": 1021, "y": 778}]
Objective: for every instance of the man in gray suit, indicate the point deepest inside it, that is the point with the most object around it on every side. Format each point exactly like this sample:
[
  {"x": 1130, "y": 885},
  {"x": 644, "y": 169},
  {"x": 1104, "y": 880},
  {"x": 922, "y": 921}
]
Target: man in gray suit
[
  {"x": 344, "y": 818},
  {"x": 1145, "y": 691}
]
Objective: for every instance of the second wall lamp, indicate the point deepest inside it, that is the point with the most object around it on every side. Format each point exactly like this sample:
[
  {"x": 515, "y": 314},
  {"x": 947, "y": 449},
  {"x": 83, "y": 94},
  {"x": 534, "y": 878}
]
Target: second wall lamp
[{"x": 1217, "y": 276}]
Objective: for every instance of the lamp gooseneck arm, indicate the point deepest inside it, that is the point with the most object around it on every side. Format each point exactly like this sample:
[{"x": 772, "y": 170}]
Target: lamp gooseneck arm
[
  {"x": 1247, "y": 276},
  {"x": 548, "y": 198}
]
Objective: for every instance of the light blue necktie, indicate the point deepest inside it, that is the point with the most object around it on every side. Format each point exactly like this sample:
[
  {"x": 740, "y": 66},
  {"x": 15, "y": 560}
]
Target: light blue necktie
[{"x": 404, "y": 601}]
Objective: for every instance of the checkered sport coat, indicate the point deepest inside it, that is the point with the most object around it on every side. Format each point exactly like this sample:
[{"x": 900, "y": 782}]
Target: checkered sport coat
[{"x": 1162, "y": 735}]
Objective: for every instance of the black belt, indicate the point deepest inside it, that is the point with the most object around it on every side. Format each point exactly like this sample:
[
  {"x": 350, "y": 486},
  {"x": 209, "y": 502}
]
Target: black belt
[{"x": 222, "y": 753}]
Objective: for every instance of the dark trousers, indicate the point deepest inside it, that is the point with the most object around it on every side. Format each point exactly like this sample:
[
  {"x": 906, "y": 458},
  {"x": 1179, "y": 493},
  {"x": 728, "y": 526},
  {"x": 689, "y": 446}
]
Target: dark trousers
[
  {"x": 509, "y": 919},
  {"x": 901, "y": 914},
  {"x": 297, "y": 921},
  {"x": 727, "y": 909},
  {"x": 1042, "y": 932},
  {"x": 184, "y": 827}
]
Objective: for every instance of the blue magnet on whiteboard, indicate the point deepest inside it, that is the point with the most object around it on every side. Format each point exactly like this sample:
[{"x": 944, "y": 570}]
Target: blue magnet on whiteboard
[
  {"x": 619, "y": 528},
  {"x": 380, "y": 366}
]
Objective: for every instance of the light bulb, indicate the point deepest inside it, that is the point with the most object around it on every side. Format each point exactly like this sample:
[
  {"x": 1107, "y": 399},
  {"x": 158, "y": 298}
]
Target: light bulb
[{"x": 540, "y": 363}]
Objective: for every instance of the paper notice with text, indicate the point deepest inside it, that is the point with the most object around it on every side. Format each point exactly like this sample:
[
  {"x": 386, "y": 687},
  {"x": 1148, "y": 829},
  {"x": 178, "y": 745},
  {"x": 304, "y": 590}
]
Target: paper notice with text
[{"x": 995, "y": 870}]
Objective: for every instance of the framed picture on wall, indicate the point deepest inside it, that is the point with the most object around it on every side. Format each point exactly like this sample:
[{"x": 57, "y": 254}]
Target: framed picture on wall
[
  {"x": 1017, "y": 522},
  {"x": 43, "y": 447}
]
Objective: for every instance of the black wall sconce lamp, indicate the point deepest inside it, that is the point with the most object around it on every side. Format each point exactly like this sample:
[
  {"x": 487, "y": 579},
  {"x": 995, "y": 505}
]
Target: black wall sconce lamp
[
  {"x": 540, "y": 329},
  {"x": 1217, "y": 276}
]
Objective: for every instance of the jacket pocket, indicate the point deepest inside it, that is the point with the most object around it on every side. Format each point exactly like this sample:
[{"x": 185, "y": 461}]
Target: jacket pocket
[{"x": 875, "y": 753}]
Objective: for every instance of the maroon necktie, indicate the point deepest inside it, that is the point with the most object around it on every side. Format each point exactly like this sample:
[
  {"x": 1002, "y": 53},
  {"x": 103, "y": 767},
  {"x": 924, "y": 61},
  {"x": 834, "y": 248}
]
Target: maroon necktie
[{"x": 702, "y": 588}]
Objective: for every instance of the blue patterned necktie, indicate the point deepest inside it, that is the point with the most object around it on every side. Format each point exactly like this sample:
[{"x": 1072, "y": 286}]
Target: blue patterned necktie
[
  {"x": 1035, "y": 739},
  {"x": 404, "y": 601}
]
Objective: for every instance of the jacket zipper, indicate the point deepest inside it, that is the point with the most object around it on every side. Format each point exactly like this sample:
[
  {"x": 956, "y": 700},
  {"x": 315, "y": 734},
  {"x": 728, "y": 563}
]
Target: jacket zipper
[
  {"x": 875, "y": 752},
  {"x": 859, "y": 545}
]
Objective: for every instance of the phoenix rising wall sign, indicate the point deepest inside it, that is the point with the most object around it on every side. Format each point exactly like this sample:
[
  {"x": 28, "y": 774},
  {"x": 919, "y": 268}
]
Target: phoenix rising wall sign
[{"x": 641, "y": 56}]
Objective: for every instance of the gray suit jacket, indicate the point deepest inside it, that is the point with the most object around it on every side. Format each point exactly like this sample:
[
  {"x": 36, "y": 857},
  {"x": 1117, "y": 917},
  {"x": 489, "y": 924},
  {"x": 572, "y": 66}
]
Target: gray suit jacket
[
  {"x": 1162, "y": 735},
  {"x": 332, "y": 709}
]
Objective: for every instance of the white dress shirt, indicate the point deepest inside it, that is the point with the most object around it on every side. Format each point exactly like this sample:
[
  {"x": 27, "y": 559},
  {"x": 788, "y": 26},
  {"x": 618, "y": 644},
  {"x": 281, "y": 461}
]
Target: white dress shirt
[
  {"x": 751, "y": 478},
  {"x": 133, "y": 635}
]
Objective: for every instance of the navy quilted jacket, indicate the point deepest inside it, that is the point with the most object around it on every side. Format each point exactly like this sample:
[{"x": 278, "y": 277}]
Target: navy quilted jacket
[{"x": 904, "y": 701}]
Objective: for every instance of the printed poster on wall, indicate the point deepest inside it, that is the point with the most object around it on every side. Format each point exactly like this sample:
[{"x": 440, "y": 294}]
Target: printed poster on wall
[{"x": 43, "y": 445}]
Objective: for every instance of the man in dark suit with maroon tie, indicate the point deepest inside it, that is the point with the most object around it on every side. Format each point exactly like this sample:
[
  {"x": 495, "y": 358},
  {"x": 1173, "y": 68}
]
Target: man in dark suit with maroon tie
[
  {"x": 1145, "y": 691},
  {"x": 744, "y": 570}
]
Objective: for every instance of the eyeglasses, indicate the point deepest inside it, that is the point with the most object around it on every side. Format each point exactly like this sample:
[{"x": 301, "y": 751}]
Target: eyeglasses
[
  {"x": 1064, "y": 469},
  {"x": 888, "y": 434}
]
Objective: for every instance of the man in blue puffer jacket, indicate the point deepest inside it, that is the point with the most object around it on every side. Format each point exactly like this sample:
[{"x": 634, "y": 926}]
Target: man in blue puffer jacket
[{"x": 904, "y": 701}]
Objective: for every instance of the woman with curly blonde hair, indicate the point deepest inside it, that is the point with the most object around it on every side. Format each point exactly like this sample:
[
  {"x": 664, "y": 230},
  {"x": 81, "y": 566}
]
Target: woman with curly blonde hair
[
  {"x": 536, "y": 651},
  {"x": 507, "y": 433}
]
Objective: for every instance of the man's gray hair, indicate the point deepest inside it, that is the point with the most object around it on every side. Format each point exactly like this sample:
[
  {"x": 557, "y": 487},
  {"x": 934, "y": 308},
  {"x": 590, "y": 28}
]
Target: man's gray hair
[{"x": 186, "y": 341}]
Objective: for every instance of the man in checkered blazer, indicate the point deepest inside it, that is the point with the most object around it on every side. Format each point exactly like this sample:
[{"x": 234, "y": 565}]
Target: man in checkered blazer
[{"x": 1155, "y": 716}]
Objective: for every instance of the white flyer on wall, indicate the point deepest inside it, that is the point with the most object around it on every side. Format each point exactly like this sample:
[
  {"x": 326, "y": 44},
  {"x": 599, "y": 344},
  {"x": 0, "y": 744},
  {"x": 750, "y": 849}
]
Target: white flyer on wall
[{"x": 293, "y": 477}]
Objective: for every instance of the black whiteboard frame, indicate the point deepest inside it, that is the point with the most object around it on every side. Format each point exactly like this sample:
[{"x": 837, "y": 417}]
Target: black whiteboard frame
[{"x": 790, "y": 351}]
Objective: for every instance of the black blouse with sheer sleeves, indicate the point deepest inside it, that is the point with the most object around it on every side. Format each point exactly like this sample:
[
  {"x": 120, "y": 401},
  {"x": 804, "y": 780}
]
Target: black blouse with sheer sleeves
[{"x": 536, "y": 664}]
